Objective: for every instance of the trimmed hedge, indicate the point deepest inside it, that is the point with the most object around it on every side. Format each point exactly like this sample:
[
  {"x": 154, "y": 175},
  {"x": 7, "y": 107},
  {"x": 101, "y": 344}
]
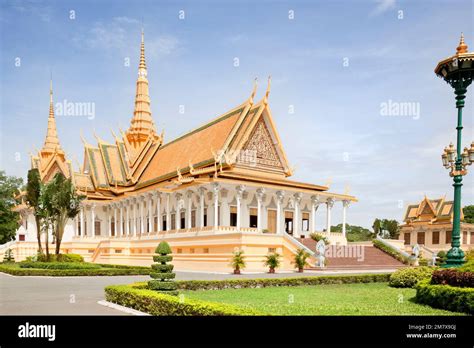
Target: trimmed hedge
[
  {"x": 274, "y": 282},
  {"x": 467, "y": 267},
  {"x": 156, "y": 303},
  {"x": 58, "y": 265},
  {"x": 408, "y": 277},
  {"x": 453, "y": 277},
  {"x": 17, "y": 271},
  {"x": 379, "y": 245},
  {"x": 56, "y": 258},
  {"x": 445, "y": 297}
]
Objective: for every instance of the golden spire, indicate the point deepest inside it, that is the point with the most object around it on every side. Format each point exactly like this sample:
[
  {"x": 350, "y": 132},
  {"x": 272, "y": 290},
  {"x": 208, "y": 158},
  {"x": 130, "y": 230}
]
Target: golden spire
[
  {"x": 51, "y": 143},
  {"x": 462, "y": 48},
  {"x": 142, "y": 125}
]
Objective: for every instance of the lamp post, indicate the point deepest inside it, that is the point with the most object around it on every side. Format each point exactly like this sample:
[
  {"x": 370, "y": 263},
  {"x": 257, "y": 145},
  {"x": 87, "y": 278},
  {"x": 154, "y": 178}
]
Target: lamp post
[{"x": 458, "y": 72}]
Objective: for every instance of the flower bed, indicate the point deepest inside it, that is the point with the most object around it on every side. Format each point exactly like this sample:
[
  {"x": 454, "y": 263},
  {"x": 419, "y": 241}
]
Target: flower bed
[
  {"x": 447, "y": 297},
  {"x": 156, "y": 303}
]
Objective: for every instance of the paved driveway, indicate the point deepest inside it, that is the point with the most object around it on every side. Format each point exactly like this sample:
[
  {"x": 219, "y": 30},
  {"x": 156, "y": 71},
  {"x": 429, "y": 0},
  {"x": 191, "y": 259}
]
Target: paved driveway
[{"x": 79, "y": 295}]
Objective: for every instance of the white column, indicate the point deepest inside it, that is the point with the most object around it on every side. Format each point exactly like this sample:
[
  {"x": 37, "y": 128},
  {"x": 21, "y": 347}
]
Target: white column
[
  {"x": 115, "y": 221},
  {"x": 279, "y": 198},
  {"x": 141, "y": 200},
  {"x": 189, "y": 202},
  {"x": 238, "y": 197},
  {"x": 259, "y": 194},
  {"x": 329, "y": 204},
  {"x": 158, "y": 211},
  {"x": 202, "y": 190},
  {"x": 109, "y": 220},
  {"x": 314, "y": 208},
  {"x": 168, "y": 212},
  {"x": 127, "y": 217},
  {"x": 150, "y": 212},
  {"x": 135, "y": 213},
  {"x": 93, "y": 220},
  {"x": 215, "y": 188},
  {"x": 177, "y": 216},
  {"x": 297, "y": 215},
  {"x": 345, "y": 204},
  {"x": 82, "y": 222}
]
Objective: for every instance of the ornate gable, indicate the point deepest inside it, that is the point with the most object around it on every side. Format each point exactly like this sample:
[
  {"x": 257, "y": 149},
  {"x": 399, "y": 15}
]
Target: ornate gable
[{"x": 260, "y": 150}]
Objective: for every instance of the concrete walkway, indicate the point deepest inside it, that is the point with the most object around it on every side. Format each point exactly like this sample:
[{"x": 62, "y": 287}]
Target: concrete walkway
[{"x": 20, "y": 295}]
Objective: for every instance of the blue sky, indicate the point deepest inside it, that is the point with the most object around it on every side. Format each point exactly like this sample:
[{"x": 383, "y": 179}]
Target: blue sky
[{"x": 334, "y": 63}]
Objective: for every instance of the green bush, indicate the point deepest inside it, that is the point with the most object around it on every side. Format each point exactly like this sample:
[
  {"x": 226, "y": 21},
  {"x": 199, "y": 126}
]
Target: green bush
[
  {"x": 162, "y": 273},
  {"x": 14, "y": 269},
  {"x": 467, "y": 267},
  {"x": 58, "y": 265},
  {"x": 445, "y": 297},
  {"x": 408, "y": 277},
  {"x": 157, "y": 303},
  {"x": 469, "y": 255},
  {"x": 379, "y": 245},
  {"x": 56, "y": 258}
]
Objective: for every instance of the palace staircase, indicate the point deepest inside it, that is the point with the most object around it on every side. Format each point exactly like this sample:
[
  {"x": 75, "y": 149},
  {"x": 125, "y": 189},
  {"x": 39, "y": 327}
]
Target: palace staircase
[{"x": 374, "y": 259}]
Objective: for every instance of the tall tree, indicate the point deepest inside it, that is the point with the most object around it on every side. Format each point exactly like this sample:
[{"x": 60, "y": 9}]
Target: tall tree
[
  {"x": 468, "y": 211},
  {"x": 9, "y": 220},
  {"x": 33, "y": 192},
  {"x": 65, "y": 205},
  {"x": 377, "y": 227}
]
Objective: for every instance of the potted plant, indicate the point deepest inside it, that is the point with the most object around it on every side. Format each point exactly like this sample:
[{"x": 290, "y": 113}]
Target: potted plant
[
  {"x": 272, "y": 261},
  {"x": 238, "y": 261},
  {"x": 300, "y": 259}
]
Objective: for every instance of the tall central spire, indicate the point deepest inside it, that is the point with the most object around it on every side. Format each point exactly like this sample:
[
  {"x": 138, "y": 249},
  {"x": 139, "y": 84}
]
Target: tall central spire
[
  {"x": 51, "y": 143},
  {"x": 142, "y": 125}
]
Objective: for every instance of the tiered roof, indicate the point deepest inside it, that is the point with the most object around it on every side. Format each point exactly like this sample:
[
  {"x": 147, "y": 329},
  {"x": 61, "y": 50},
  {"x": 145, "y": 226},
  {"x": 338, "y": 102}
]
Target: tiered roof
[{"x": 430, "y": 211}]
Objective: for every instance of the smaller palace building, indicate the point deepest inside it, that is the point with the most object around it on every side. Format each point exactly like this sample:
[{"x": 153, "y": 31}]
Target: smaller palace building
[
  {"x": 430, "y": 224},
  {"x": 220, "y": 187}
]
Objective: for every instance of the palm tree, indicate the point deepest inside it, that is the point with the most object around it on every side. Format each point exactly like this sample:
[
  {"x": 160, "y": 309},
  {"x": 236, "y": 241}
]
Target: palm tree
[
  {"x": 33, "y": 192},
  {"x": 300, "y": 259},
  {"x": 272, "y": 261},
  {"x": 238, "y": 261}
]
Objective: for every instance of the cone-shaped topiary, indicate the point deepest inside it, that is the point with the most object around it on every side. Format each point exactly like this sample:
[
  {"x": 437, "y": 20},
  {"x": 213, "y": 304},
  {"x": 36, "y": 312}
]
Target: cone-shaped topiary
[
  {"x": 162, "y": 273},
  {"x": 8, "y": 256}
]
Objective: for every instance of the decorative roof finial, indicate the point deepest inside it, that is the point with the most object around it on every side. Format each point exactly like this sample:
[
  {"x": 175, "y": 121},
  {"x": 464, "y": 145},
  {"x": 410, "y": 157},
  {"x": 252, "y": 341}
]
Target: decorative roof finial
[
  {"x": 267, "y": 93},
  {"x": 462, "y": 48},
  {"x": 51, "y": 143},
  {"x": 254, "y": 91}
]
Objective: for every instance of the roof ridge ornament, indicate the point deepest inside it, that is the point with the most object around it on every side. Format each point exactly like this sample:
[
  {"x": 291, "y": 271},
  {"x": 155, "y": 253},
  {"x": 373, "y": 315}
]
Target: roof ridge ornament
[
  {"x": 267, "y": 92},
  {"x": 254, "y": 91}
]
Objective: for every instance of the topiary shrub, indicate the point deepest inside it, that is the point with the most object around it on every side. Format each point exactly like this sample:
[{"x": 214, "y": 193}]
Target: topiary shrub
[
  {"x": 162, "y": 271},
  {"x": 441, "y": 258},
  {"x": 8, "y": 257},
  {"x": 409, "y": 277}
]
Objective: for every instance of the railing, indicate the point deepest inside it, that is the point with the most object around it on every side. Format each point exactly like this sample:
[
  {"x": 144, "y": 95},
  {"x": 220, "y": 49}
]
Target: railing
[{"x": 391, "y": 246}]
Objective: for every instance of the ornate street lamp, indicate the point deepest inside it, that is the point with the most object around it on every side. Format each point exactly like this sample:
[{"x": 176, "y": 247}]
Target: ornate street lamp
[{"x": 457, "y": 71}]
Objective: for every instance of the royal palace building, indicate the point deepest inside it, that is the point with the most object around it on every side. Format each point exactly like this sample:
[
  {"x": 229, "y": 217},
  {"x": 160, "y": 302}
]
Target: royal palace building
[{"x": 220, "y": 187}]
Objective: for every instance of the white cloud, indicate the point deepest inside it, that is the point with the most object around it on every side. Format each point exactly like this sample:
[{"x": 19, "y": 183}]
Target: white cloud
[{"x": 382, "y": 7}]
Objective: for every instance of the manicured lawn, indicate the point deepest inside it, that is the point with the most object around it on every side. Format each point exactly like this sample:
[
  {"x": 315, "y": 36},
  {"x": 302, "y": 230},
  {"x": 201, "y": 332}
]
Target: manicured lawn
[{"x": 334, "y": 299}]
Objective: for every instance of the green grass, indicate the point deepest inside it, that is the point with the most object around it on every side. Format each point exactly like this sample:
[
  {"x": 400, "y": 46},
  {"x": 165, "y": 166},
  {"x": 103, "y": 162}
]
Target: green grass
[{"x": 334, "y": 299}]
